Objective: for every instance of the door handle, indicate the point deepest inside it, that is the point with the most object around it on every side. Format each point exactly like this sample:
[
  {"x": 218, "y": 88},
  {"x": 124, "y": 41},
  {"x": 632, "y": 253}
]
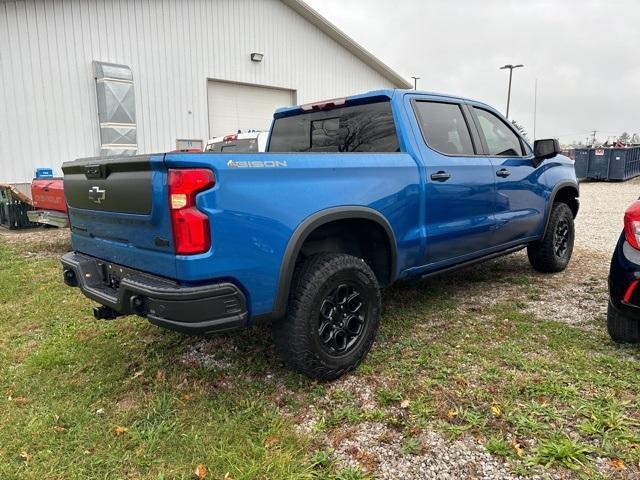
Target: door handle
[
  {"x": 503, "y": 172},
  {"x": 440, "y": 176}
]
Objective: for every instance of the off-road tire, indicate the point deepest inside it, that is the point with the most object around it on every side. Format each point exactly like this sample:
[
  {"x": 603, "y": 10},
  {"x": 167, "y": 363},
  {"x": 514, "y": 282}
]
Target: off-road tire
[
  {"x": 296, "y": 337},
  {"x": 543, "y": 254},
  {"x": 622, "y": 329}
]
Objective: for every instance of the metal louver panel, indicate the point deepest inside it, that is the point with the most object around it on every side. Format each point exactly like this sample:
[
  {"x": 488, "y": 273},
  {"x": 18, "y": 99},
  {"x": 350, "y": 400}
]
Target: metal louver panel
[{"x": 116, "y": 109}]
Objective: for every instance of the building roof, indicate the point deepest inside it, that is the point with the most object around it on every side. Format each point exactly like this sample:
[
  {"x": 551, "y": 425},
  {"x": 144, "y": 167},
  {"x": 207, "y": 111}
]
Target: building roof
[{"x": 347, "y": 42}]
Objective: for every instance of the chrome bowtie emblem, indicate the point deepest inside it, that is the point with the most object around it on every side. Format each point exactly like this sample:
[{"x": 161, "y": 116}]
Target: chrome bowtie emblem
[{"x": 97, "y": 195}]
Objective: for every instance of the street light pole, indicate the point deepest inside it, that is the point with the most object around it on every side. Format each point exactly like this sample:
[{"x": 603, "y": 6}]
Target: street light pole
[
  {"x": 535, "y": 108},
  {"x": 510, "y": 67},
  {"x": 415, "y": 82}
]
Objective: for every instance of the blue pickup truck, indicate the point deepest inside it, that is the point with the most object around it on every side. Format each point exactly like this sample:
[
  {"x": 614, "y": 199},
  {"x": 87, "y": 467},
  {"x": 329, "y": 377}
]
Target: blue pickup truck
[{"x": 352, "y": 195}]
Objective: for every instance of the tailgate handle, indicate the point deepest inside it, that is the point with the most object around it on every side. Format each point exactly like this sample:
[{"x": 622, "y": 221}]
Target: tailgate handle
[{"x": 95, "y": 171}]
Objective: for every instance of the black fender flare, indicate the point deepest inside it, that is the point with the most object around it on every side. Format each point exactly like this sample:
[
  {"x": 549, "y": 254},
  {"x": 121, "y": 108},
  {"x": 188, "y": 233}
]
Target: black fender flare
[
  {"x": 305, "y": 228},
  {"x": 552, "y": 199}
]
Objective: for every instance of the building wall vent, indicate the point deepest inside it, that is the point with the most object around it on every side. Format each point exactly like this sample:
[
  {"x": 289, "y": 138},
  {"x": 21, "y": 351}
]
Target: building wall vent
[{"x": 116, "y": 109}]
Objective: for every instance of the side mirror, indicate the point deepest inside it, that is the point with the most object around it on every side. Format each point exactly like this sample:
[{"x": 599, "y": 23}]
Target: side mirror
[{"x": 543, "y": 149}]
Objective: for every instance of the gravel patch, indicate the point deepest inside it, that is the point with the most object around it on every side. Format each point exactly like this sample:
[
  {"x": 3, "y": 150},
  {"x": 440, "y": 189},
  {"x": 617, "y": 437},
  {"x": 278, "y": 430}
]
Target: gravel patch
[
  {"x": 379, "y": 448},
  {"x": 209, "y": 354},
  {"x": 602, "y": 205},
  {"x": 577, "y": 296}
]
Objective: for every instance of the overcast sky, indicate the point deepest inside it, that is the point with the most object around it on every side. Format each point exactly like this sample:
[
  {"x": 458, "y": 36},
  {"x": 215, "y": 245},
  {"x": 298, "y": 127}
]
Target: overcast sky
[{"x": 584, "y": 53}]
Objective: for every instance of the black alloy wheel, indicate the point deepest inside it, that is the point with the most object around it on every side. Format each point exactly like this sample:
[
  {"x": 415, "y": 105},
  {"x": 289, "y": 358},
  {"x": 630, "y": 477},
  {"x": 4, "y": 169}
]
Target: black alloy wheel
[{"x": 342, "y": 319}]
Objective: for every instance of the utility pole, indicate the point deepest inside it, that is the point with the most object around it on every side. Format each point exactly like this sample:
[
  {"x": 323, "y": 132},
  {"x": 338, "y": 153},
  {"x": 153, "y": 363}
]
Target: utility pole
[
  {"x": 535, "y": 108},
  {"x": 415, "y": 82},
  {"x": 510, "y": 67},
  {"x": 593, "y": 142}
]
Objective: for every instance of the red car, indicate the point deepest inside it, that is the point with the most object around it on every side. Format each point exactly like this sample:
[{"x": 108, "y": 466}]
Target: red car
[{"x": 623, "y": 314}]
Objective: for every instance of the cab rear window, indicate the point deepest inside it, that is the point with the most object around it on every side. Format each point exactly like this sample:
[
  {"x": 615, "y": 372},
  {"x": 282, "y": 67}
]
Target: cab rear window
[{"x": 358, "y": 128}]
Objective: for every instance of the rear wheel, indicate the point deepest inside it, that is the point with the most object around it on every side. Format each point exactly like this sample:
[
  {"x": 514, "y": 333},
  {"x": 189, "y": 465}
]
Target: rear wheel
[
  {"x": 332, "y": 317},
  {"x": 553, "y": 252},
  {"x": 622, "y": 329}
]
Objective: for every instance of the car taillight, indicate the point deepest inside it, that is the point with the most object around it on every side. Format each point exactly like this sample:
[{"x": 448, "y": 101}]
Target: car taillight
[
  {"x": 190, "y": 226},
  {"x": 632, "y": 224}
]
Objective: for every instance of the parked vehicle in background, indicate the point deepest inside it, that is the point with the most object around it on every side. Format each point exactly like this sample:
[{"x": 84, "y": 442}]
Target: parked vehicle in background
[
  {"x": 623, "y": 314},
  {"x": 47, "y": 195},
  {"x": 250, "y": 142},
  {"x": 353, "y": 195},
  {"x": 187, "y": 150}
]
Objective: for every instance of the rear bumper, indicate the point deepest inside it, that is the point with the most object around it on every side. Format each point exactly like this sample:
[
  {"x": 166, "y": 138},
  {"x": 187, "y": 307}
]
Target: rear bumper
[
  {"x": 624, "y": 279},
  {"x": 203, "y": 309},
  {"x": 49, "y": 217}
]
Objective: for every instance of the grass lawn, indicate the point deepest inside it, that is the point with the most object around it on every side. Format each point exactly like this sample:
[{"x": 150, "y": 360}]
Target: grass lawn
[{"x": 125, "y": 399}]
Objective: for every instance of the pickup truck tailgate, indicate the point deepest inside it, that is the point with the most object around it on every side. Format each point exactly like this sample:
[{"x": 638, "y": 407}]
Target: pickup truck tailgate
[{"x": 118, "y": 208}]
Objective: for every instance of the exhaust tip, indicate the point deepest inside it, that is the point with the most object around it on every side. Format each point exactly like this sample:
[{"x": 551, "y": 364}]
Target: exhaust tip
[
  {"x": 70, "y": 278},
  {"x": 137, "y": 305}
]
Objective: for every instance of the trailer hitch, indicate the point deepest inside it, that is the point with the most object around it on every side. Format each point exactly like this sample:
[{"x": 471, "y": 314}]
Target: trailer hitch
[{"x": 105, "y": 313}]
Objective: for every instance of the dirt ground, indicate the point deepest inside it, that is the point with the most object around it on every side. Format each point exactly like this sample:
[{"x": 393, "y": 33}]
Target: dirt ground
[
  {"x": 602, "y": 205},
  {"x": 38, "y": 241}
]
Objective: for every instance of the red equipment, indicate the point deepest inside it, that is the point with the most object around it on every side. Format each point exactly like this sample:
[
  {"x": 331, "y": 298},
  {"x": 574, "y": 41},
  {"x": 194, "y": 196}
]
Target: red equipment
[{"x": 48, "y": 194}]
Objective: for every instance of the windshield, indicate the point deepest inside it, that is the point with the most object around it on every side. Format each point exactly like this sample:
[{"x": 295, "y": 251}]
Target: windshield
[{"x": 358, "y": 128}]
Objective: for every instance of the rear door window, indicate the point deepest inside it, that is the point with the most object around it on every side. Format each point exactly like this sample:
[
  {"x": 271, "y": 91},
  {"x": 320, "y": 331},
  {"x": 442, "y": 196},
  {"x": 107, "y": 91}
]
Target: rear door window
[
  {"x": 501, "y": 140},
  {"x": 358, "y": 128},
  {"x": 444, "y": 127}
]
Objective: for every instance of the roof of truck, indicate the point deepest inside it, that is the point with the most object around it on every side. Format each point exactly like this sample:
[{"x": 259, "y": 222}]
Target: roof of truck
[{"x": 387, "y": 92}]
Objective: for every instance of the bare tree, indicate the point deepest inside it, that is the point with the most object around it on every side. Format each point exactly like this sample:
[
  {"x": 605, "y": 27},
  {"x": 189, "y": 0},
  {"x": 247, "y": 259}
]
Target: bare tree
[{"x": 520, "y": 129}]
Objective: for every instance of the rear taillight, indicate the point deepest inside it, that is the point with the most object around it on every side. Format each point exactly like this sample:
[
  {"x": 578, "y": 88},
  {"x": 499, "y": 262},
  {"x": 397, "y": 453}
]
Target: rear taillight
[
  {"x": 190, "y": 226},
  {"x": 632, "y": 224}
]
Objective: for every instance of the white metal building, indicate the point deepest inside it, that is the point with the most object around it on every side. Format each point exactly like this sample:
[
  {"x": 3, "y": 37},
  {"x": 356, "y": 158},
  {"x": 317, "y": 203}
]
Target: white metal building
[{"x": 191, "y": 68}]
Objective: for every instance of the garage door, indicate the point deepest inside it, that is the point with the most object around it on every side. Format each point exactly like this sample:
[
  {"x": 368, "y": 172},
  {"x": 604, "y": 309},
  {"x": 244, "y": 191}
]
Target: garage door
[{"x": 234, "y": 107}]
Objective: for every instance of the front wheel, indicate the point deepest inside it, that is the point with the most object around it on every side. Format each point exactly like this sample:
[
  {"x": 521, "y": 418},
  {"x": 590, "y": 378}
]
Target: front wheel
[
  {"x": 553, "y": 252},
  {"x": 332, "y": 317},
  {"x": 622, "y": 328}
]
